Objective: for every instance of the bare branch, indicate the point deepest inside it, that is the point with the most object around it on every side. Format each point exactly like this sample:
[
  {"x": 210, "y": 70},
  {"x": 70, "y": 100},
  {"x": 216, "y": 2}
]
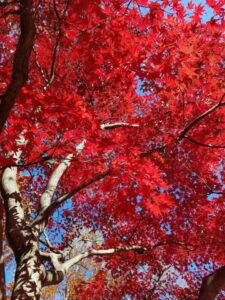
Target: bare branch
[
  {"x": 79, "y": 257},
  {"x": 202, "y": 144},
  {"x": 159, "y": 278},
  {"x": 57, "y": 43},
  {"x": 39, "y": 66},
  {"x": 64, "y": 266},
  {"x": 53, "y": 181},
  {"x": 116, "y": 125},
  {"x": 10, "y": 12},
  {"x": 199, "y": 118}
]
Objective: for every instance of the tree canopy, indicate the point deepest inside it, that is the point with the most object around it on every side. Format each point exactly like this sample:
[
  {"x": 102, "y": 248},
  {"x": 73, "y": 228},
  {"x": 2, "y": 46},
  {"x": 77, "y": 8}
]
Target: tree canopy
[{"x": 112, "y": 125}]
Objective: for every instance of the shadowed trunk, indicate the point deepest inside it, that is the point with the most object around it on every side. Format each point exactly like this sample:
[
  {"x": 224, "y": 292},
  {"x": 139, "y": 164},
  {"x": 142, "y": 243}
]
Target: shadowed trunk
[
  {"x": 2, "y": 265},
  {"x": 30, "y": 273},
  {"x": 212, "y": 285},
  {"x": 21, "y": 60}
]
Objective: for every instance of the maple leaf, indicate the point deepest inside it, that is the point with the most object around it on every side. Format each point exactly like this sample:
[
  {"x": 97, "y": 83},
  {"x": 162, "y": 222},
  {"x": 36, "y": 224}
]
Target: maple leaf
[{"x": 112, "y": 140}]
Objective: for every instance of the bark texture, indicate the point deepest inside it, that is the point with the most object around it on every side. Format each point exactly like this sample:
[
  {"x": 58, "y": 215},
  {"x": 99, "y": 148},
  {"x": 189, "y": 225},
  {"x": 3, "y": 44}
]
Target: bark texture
[
  {"x": 21, "y": 60},
  {"x": 24, "y": 236},
  {"x": 2, "y": 267}
]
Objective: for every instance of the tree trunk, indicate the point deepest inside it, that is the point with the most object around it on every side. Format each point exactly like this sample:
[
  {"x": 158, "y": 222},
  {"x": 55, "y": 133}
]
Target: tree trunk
[
  {"x": 2, "y": 265},
  {"x": 21, "y": 60},
  {"x": 30, "y": 274}
]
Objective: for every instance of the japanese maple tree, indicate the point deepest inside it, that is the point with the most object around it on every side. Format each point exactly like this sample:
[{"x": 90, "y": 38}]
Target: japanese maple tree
[{"x": 112, "y": 117}]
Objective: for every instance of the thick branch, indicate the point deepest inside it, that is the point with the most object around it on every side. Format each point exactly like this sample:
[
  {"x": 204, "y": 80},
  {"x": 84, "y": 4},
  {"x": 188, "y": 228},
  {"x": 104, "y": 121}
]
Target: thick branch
[
  {"x": 10, "y": 12},
  {"x": 116, "y": 125},
  {"x": 53, "y": 277},
  {"x": 79, "y": 257},
  {"x": 21, "y": 60},
  {"x": 53, "y": 181},
  {"x": 212, "y": 285},
  {"x": 204, "y": 145},
  {"x": 65, "y": 266}
]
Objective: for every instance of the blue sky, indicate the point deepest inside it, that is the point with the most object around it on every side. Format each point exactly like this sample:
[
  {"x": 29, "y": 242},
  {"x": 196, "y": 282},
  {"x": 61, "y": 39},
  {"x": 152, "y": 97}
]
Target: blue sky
[{"x": 208, "y": 11}]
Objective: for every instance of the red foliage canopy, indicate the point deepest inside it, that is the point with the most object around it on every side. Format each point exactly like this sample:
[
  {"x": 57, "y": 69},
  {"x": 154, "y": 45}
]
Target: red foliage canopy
[{"x": 142, "y": 82}]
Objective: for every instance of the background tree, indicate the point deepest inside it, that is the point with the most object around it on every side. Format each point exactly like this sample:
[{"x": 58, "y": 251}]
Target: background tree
[{"x": 118, "y": 129}]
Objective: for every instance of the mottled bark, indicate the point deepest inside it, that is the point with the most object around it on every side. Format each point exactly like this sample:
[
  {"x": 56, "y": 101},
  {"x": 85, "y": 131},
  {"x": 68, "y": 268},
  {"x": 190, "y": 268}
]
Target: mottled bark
[
  {"x": 23, "y": 236},
  {"x": 21, "y": 60},
  {"x": 30, "y": 273}
]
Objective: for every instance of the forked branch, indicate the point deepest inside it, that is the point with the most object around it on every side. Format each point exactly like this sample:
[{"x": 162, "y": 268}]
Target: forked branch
[
  {"x": 61, "y": 268},
  {"x": 46, "y": 212}
]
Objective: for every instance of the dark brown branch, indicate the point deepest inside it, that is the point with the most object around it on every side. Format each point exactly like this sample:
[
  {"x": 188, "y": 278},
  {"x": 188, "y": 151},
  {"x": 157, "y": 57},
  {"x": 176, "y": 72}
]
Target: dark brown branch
[
  {"x": 212, "y": 285},
  {"x": 199, "y": 118},
  {"x": 202, "y": 144},
  {"x": 57, "y": 43},
  {"x": 10, "y": 12},
  {"x": 157, "y": 281},
  {"x": 21, "y": 60}
]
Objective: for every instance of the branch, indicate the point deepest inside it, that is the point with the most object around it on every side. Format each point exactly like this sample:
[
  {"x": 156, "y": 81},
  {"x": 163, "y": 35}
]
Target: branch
[
  {"x": 46, "y": 212},
  {"x": 53, "y": 181},
  {"x": 178, "y": 243},
  {"x": 53, "y": 277},
  {"x": 21, "y": 60},
  {"x": 212, "y": 285},
  {"x": 57, "y": 43},
  {"x": 159, "y": 278},
  {"x": 202, "y": 144},
  {"x": 10, "y": 12},
  {"x": 11, "y": 193},
  {"x": 39, "y": 66},
  {"x": 57, "y": 174},
  {"x": 79, "y": 257},
  {"x": 65, "y": 266},
  {"x": 116, "y": 125},
  {"x": 199, "y": 118}
]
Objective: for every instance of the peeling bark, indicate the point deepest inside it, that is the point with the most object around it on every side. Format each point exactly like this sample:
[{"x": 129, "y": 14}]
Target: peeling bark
[{"x": 21, "y": 60}]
